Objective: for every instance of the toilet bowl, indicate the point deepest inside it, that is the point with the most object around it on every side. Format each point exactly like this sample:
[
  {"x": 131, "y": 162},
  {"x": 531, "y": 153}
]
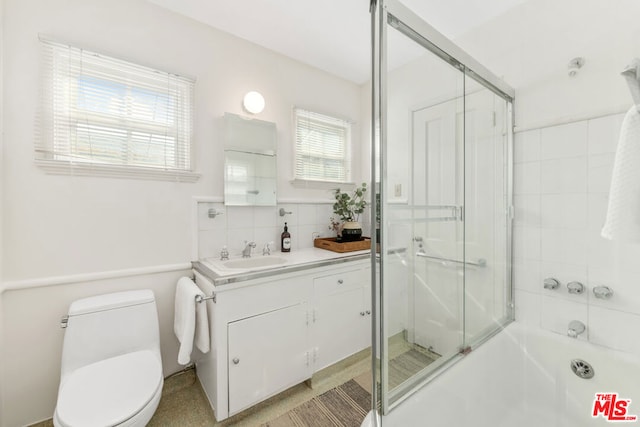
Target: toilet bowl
[{"x": 111, "y": 365}]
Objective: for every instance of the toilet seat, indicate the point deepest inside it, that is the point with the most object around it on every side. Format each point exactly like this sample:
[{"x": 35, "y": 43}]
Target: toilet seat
[{"x": 110, "y": 392}]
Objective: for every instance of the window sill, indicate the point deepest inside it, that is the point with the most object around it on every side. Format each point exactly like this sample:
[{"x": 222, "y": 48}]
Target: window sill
[
  {"x": 321, "y": 185},
  {"x": 92, "y": 169}
]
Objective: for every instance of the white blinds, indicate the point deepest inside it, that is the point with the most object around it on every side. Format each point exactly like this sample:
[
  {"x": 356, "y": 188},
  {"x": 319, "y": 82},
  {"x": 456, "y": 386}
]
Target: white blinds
[
  {"x": 322, "y": 147},
  {"x": 103, "y": 112}
]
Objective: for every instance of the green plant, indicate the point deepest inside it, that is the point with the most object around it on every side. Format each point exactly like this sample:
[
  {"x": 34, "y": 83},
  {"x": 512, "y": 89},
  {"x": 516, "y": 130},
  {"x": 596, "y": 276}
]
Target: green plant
[{"x": 349, "y": 206}]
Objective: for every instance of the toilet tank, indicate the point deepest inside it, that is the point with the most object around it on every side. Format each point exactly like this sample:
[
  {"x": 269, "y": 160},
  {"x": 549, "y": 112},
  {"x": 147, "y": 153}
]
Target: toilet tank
[{"x": 109, "y": 325}]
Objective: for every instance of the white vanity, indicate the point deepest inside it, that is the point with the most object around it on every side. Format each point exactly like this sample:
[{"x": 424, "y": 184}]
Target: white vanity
[{"x": 273, "y": 326}]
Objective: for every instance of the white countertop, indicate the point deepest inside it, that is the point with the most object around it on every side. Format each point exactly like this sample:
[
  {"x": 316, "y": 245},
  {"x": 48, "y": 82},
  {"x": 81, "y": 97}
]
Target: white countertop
[{"x": 220, "y": 273}]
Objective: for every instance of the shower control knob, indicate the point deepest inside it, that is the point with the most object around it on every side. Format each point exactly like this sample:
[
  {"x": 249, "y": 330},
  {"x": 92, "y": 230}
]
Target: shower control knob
[
  {"x": 236, "y": 360},
  {"x": 362, "y": 313},
  {"x": 551, "y": 283},
  {"x": 340, "y": 281},
  {"x": 575, "y": 288},
  {"x": 603, "y": 292}
]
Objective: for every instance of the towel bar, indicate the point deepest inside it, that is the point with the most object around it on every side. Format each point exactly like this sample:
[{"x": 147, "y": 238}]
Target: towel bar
[{"x": 200, "y": 298}]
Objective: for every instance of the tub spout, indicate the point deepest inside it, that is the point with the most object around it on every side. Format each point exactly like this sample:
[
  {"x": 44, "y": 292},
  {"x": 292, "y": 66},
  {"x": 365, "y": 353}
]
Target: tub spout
[{"x": 576, "y": 327}]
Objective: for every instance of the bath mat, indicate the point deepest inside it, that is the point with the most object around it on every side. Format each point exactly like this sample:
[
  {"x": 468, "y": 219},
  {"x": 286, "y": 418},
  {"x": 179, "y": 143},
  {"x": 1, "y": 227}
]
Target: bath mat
[
  {"x": 342, "y": 406},
  {"x": 407, "y": 364}
]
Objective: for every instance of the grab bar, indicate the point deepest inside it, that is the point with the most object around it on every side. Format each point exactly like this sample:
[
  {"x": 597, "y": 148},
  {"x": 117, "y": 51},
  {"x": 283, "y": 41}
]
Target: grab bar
[{"x": 481, "y": 262}]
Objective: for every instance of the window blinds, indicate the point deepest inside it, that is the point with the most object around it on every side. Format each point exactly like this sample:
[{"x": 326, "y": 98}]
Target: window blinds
[
  {"x": 106, "y": 113},
  {"x": 322, "y": 147}
]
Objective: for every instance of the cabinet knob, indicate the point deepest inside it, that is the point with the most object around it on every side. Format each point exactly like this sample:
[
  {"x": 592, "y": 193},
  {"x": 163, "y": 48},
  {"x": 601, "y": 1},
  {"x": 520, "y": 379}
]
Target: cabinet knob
[
  {"x": 340, "y": 281},
  {"x": 236, "y": 360}
]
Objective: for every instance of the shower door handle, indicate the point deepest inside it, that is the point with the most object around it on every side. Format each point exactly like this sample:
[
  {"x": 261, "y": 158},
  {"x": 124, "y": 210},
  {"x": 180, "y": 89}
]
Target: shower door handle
[{"x": 480, "y": 262}]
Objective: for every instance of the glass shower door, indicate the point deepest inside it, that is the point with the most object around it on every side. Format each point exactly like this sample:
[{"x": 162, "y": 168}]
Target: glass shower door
[{"x": 442, "y": 133}]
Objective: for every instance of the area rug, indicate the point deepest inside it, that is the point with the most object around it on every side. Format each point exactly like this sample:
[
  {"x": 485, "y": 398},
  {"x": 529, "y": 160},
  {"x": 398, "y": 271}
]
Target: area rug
[{"x": 342, "y": 406}]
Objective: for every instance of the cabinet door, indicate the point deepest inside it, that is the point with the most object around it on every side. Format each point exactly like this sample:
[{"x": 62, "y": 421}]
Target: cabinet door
[
  {"x": 338, "y": 321},
  {"x": 268, "y": 353}
]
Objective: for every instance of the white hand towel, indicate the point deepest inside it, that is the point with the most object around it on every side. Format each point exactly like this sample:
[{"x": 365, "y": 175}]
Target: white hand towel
[
  {"x": 623, "y": 213},
  {"x": 202, "y": 327},
  {"x": 184, "y": 324}
]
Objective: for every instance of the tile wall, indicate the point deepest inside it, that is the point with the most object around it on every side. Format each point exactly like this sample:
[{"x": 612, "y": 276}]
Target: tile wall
[
  {"x": 562, "y": 176},
  {"x": 261, "y": 224}
]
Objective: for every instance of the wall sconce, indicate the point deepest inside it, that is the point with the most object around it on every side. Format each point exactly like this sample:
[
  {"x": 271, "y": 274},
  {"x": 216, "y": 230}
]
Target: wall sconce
[{"x": 253, "y": 102}]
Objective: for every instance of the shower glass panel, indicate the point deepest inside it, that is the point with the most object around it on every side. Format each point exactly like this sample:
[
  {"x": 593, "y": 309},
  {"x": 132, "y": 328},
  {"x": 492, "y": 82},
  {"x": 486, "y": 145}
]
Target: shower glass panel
[{"x": 443, "y": 132}]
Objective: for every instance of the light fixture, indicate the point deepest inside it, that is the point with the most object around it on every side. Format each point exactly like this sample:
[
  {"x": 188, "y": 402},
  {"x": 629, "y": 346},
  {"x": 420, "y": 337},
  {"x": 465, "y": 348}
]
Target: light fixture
[{"x": 253, "y": 102}]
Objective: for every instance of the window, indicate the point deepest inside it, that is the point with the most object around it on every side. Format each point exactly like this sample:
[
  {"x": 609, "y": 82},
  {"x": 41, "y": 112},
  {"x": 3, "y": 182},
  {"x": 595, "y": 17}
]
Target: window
[
  {"x": 322, "y": 147},
  {"x": 105, "y": 116}
]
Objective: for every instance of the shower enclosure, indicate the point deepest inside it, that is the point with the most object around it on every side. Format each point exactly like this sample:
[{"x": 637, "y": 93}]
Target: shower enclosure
[{"x": 442, "y": 132}]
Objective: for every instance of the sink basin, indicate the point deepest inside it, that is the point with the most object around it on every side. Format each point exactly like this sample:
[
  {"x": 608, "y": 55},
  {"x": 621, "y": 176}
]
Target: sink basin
[{"x": 264, "y": 261}]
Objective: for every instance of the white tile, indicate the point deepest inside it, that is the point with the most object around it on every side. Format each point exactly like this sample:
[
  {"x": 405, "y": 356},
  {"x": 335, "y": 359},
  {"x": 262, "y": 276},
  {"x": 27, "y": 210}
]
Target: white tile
[
  {"x": 600, "y": 171},
  {"x": 563, "y": 141},
  {"x": 526, "y": 275},
  {"x": 564, "y": 211},
  {"x": 604, "y": 133},
  {"x": 239, "y": 216},
  {"x": 527, "y": 146},
  {"x": 526, "y": 178},
  {"x": 564, "y": 273},
  {"x": 527, "y": 308},
  {"x": 264, "y": 216},
  {"x": 526, "y": 243},
  {"x": 563, "y": 176},
  {"x": 601, "y": 253},
  {"x": 527, "y": 210},
  {"x": 626, "y": 295},
  {"x": 211, "y": 242},
  {"x": 306, "y": 214},
  {"x": 556, "y": 313},
  {"x": 563, "y": 246},
  {"x": 597, "y": 210},
  {"x": 324, "y": 211},
  {"x": 263, "y": 235},
  {"x": 614, "y": 329},
  {"x": 306, "y": 234}
]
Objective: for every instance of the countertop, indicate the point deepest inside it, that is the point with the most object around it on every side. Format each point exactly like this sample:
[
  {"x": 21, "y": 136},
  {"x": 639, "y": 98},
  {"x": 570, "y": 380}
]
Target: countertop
[{"x": 302, "y": 259}]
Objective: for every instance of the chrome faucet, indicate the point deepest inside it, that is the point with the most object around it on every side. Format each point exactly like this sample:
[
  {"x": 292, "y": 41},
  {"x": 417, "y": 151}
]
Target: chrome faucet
[
  {"x": 246, "y": 252},
  {"x": 576, "y": 327}
]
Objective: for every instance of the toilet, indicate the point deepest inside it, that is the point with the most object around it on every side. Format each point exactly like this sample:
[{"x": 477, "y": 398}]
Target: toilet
[{"x": 111, "y": 365}]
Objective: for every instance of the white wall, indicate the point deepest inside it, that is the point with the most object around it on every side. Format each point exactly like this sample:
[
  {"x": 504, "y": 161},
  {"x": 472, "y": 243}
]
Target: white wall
[
  {"x": 564, "y": 149},
  {"x": 59, "y": 227}
]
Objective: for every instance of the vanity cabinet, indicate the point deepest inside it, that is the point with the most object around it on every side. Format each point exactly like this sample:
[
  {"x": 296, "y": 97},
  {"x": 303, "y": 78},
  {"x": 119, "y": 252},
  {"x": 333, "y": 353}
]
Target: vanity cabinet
[
  {"x": 273, "y": 332},
  {"x": 342, "y": 315},
  {"x": 267, "y": 352}
]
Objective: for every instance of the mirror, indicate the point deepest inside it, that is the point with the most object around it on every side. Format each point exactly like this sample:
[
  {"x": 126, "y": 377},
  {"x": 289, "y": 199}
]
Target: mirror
[{"x": 249, "y": 161}]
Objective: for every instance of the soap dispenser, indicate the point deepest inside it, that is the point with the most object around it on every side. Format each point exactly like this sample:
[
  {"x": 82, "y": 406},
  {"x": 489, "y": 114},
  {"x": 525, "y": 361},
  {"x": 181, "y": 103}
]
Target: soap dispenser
[{"x": 285, "y": 239}]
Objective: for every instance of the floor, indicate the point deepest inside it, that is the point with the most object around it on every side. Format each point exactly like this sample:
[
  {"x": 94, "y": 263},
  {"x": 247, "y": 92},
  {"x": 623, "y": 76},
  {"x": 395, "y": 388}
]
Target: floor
[{"x": 184, "y": 403}]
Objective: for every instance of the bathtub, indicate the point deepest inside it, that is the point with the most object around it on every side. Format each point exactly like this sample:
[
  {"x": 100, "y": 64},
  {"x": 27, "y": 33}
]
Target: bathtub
[{"x": 522, "y": 377}]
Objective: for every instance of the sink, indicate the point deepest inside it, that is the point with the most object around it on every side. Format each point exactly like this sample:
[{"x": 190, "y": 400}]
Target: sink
[{"x": 265, "y": 261}]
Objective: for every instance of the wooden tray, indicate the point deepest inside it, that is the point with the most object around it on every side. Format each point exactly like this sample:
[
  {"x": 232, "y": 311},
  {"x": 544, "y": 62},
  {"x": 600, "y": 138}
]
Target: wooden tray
[{"x": 330, "y": 244}]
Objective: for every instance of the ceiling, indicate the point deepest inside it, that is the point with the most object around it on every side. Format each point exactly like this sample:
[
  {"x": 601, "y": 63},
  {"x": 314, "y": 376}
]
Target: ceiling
[{"x": 332, "y": 35}]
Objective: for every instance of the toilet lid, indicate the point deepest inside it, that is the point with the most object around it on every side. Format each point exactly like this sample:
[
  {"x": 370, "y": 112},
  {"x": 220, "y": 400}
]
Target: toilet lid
[{"x": 109, "y": 392}]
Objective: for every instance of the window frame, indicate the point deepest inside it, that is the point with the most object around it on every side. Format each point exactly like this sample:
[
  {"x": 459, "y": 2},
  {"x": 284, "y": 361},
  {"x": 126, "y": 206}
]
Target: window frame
[
  {"x": 346, "y": 158},
  {"x": 150, "y": 147}
]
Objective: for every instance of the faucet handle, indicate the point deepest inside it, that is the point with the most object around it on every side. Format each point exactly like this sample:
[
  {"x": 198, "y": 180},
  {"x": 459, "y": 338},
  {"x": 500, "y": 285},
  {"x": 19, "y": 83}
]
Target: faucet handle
[
  {"x": 266, "y": 250},
  {"x": 575, "y": 288},
  {"x": 576, "y": 327},
  {"x": 224, "y": 254}
]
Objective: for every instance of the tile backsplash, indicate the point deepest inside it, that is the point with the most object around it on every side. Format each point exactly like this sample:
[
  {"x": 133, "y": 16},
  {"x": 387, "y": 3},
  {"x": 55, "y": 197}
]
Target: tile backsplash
[
  {"x": 562, "y": 176},
  {"x": 263, "y": 224}
]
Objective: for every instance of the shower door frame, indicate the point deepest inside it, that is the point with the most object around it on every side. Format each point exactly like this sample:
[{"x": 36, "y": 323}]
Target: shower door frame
[{"x": 392, "y": 12}]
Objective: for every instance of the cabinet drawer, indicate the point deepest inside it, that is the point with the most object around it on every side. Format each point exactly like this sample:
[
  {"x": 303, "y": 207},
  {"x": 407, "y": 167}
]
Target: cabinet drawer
[{"x": 339, "y": 282}]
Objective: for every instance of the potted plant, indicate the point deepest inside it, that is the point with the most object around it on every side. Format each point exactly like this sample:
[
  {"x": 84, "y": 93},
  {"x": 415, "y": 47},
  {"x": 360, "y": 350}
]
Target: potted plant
[{"x": 348, "y": 207}]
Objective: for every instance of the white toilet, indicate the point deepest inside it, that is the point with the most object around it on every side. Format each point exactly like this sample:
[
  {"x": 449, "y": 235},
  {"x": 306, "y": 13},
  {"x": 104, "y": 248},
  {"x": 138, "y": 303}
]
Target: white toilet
[{"x": 111, "y": 363}]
